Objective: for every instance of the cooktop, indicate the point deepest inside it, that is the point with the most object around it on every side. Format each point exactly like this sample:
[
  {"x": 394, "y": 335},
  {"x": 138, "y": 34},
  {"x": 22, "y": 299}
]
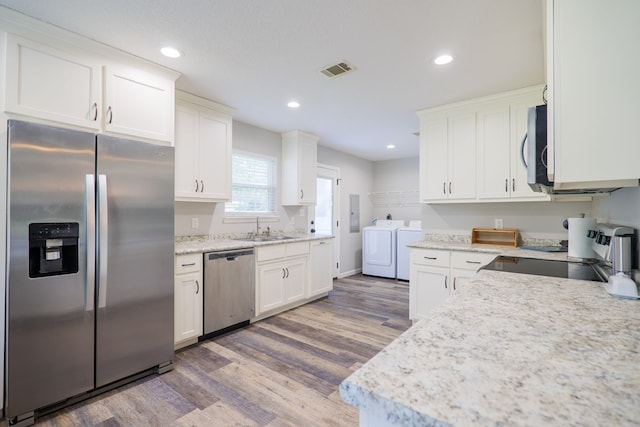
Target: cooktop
[{"x": 543, "y": 267}]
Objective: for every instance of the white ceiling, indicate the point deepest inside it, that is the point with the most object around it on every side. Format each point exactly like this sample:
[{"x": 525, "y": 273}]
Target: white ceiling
[{"x": 256, "y": 55}]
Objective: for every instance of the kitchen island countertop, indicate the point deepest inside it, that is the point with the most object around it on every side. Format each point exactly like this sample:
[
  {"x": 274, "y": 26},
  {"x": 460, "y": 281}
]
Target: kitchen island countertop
[{"x": 510, "y": 349}]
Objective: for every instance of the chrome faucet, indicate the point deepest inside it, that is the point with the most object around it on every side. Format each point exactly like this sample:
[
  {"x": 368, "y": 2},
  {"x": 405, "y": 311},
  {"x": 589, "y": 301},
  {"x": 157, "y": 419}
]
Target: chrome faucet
[{"x": 257, "y": 225}]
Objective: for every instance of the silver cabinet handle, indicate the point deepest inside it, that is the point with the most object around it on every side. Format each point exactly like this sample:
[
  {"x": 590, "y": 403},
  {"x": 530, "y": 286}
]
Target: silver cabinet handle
[
  {"x": 301, "y": 194},
  {"x": 444, "y": 188},
  {"x": 445, "y": 281},
  {"x": 197, "y": 287},
  {"x": 454, "y": 283},
  {"x": 283, "y": 273},
  {"x": 197, "y": 187},
  {"x": 103, "y": 240},
  {"x": 201, "y": 186},
  {"x": 472, "y": 262},
  {"x": 95, "y": 111},
  {"x": 506, "y": 185},
  {"x": 513, "y": 184},
  {"x": 449, "y": 187},
  {"x": 110, "y": 114},
  {"x": 188, "y": 265},
  {"x": 287, "y": 272},
  {"x": 90, "y": 198},
  {"x": 431, "y": 258},
  {"x": 323, "y": 243}
]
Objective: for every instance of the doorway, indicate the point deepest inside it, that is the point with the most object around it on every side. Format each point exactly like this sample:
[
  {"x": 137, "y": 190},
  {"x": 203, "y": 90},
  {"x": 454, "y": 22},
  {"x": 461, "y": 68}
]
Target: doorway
[{"x": 327, "y": 210}]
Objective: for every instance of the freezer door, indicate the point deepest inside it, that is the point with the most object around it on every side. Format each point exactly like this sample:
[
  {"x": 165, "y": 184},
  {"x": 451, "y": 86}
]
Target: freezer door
[
  {"x": 50, "y": 328},
  {"x": 134, "y": 327}
]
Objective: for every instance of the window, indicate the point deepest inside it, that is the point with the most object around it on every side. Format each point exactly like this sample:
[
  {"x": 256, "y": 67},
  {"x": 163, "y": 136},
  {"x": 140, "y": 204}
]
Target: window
[{"x": 253, "y": 185}]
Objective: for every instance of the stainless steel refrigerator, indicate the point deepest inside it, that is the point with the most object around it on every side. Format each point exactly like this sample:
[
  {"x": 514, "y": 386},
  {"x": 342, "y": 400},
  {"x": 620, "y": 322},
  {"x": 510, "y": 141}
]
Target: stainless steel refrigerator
[{"x": 90, "y": 263}]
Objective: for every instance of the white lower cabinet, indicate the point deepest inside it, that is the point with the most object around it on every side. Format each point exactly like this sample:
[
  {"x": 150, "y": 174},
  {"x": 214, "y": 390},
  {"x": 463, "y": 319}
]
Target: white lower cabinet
[
  {"x": 435, "y": 274},
  {"x": 281, "y": 275},
  {"x": 188, "y": 302},
  {"x": 321, "y": 273}
]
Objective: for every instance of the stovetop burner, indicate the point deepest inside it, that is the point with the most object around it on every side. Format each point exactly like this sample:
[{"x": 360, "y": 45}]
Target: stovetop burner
[{"x": 543, "y": 267}]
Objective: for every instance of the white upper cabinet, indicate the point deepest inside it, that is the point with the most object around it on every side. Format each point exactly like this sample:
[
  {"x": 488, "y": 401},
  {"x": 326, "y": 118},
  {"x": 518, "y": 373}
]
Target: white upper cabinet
[
  {"x": 593, "y": 101},
  {"x": 502, "y": 123},
  {"x": 52, "y": 75},
  {"x": 203, "y": 145},
  {"x": 138, "y": 103},
  {"x": 470, "y": 150},
  {"x": 52, "y": 84},
  {"x": 447, "y": 155},
  {"x": 299, "y": 154}
]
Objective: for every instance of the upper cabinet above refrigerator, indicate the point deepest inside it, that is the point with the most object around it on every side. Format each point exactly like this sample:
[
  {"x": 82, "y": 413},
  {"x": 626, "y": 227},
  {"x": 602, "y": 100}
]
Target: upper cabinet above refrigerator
[
  {"x": 593, "y": 67},
  {"x": 90, "y": 87}
]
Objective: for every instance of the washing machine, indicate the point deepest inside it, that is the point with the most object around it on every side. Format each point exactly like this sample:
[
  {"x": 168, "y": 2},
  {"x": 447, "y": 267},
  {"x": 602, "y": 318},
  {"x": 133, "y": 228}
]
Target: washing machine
[
  {"x": 379, "y": 248},
  {"x": 406, "y": 235}
]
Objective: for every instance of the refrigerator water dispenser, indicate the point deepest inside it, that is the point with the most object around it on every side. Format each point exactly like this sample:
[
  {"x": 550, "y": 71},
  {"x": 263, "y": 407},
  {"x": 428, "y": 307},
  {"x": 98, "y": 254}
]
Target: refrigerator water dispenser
[{"x": 53, "y": 249}]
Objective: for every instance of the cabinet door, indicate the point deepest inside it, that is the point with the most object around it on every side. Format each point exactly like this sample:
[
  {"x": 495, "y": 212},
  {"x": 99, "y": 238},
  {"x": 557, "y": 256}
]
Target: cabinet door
[
  {"x": 270, "y": 286},
  {"x": 186, "y": 153},
  {"x": 433, "y": 159},
  {"x": 428, "y": 288},
  {"x": 459, "y": 278},
  {"x": 50, "y": 84},
  {"x": 188, "y": 306},
  {"x": 320, "y": 262},
  {"x": 462, "y": 156},
  {"x": 214, "y": 157},
  {"x": 494, "y": 160},
  {"x": 307, "y": 172},
  {"x": 295, "y": 281},
  {"x": 139, "y": 103},
  {"x": 594, "y": 102}
]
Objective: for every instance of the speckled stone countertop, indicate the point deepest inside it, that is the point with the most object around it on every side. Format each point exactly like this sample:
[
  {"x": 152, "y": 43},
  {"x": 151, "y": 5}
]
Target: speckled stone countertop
[
  {"x": 194, "y": 244},
  {"x": 511, "y": 349},
  {"x": 506, "y": 251}
]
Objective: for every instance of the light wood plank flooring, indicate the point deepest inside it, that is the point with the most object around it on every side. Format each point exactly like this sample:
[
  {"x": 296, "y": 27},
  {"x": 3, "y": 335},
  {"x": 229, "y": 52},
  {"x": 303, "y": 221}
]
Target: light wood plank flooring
[{"x": 282, "y": 371}]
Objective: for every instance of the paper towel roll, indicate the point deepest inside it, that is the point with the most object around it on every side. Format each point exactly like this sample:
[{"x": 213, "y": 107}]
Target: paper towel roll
[{"x": 579, "y": 241}]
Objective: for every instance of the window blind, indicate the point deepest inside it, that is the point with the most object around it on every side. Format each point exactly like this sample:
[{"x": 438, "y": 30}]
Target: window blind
[{"x": 253, "y": 184}]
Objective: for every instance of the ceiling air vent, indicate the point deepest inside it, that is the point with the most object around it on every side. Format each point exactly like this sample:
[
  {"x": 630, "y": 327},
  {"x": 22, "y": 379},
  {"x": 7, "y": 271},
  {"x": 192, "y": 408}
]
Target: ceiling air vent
[{"x": 337, "y": 69}]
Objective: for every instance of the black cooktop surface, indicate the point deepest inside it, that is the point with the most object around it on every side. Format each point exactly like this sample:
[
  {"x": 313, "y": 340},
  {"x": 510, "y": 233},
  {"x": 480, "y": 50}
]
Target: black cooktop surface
[{"x": 543, "y": 267}]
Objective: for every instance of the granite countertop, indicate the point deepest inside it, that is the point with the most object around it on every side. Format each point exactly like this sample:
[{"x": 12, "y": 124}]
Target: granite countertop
[
  {"x": 511, "y": 349},
  {"x": 194, "y": 244}
]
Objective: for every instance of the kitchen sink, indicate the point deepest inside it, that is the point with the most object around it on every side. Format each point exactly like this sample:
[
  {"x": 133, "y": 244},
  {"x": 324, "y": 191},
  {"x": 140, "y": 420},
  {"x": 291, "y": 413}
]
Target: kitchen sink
[{"x": 264, "y": 238}]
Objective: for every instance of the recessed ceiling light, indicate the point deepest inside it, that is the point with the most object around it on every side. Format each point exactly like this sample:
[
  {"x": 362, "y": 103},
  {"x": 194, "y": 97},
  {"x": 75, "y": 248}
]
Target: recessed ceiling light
[
  {"x": 171, "y": 52},
  {"x": 443, "y": 59},
  {"x": 293, "y": 104},
  {"x": 391, "y": 146}
]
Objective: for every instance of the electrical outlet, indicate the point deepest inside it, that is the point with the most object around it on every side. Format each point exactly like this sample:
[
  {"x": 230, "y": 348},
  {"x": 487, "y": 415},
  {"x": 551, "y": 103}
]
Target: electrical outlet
[
  {"x": 195, "y": 223},
  {"x": 499, "y": 223}
]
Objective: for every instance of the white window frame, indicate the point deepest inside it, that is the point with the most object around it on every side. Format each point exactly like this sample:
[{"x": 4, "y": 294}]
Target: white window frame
[{"x": 230, "y": 216}]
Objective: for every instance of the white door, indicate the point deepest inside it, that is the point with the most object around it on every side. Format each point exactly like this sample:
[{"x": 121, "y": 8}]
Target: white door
[{"x": 326, "y": 215}]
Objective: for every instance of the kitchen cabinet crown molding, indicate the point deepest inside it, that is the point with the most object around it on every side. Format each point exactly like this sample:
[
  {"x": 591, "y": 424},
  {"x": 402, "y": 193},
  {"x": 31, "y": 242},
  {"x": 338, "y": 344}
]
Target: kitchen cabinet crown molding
[{"x": 204, "y": 102}]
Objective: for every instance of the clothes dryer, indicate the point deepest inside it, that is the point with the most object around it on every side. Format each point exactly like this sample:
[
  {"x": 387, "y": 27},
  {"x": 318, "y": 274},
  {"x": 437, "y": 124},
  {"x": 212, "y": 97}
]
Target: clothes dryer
[
  {"x": 379, "y": 248},
  {"x": 406, "y": 235}
]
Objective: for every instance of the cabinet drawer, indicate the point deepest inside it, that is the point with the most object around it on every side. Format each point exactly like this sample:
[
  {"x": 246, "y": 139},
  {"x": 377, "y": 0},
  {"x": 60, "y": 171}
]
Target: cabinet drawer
[
  {"x": 297, "y": 249},
  {"x": 188, "y": 263},
  {"x": 268, "y": 253},
  {"x": 430, "y": 257},
  {"x": 470, "y": 260}
]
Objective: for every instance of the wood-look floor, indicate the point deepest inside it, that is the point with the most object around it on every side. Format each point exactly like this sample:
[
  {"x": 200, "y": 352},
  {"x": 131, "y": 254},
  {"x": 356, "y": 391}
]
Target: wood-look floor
[{"x": 282, "y": 371}]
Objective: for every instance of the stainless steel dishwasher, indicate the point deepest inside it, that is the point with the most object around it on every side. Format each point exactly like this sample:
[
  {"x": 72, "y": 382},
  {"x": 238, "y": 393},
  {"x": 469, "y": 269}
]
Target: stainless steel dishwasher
[{"x": 229, "y": 290}]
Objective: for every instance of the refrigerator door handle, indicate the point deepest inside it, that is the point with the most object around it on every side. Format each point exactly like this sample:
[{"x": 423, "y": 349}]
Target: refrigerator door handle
[
  {"x": 103, "y": 251},
  {"x": 90, "y": 195}
]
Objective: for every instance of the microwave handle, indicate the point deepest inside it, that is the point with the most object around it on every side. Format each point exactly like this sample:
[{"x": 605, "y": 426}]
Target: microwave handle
[{"x": 524, "y": 140}]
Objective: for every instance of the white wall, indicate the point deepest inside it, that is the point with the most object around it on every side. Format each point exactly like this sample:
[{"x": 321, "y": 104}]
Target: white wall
[
  {"x": 621, "y": 207},
  {"x": 356, "y": 178},
  {"x": 211, "y": 215},
  {"x": 533, "y": 219},
  {"x": 395, "y": 189}
]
